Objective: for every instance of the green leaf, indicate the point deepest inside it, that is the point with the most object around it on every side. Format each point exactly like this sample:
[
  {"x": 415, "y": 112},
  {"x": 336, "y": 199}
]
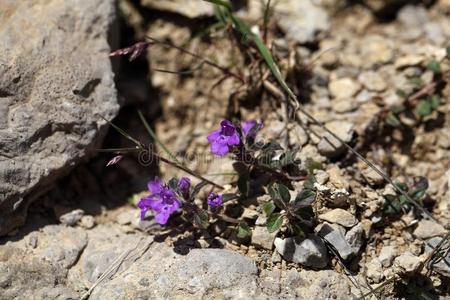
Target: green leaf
[
  {"x": 401, "y": 93},
  {"x": 435, "y": 100},
  {"x": 448, "y": 52},
  {"x": 197, "y": 189},
  {"x": 244, "y": 230},
  {"x": 221, "y": 3},
  {"x": 283, "y": 191},
  {"x": 312, "y": 165},
  {"x": 298, "y": 229},
  {"x": 229, "y": 196},
  {"x": 416, "y": 81},
  {"x": 268, "y": 208},
  {"x": 304, "y": 198},
  {"x": 274, "y": 222},
  {"x": 201, "y": 219},
  {"x": 423, "y": 108},
  {"x": 391, "y": 119},
  {"x": 434, "y": 67},
  {"x": 309, "y": 182},
  {"x": 271, "y": 146}
]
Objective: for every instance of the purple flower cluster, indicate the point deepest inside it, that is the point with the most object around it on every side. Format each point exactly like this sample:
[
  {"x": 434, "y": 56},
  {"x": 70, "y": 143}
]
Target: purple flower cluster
[
  {"x": 215, "y": 200},
  {"x": 223, "y": 139},
  {"x": 162, "y": 200}
]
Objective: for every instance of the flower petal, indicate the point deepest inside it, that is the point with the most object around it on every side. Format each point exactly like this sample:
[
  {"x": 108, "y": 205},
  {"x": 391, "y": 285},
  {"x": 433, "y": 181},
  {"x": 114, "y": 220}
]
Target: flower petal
[
  {"x": 234, "y": 139},
  {"x": 155, "y": 186},
  {"x": 214, "y": 135},
  {"x": 219, "y": 149},
  {"x": 162, "y": 218}
]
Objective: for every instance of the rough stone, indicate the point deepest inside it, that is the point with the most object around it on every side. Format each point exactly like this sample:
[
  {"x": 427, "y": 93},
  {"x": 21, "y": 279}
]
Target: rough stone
[
  {"x": 374, "y": 271},
  {"x": 261, "y": 237},
  {"x": 201, "y": 274},
  {"x": 354, "y": 237},
  {"x": 299, "y": 26},
  {"x": 335, "y": 236},
  {"x": 55, "y": 81},
  {"x": 87, "y": 222},
  {"x": 187, "y": 8},
  {"x": 330, "y": 146},
  {"x": 407, "y": 263},
  {"x": 376, "y": 50},
  {"x": 427, "y": 229},
  {"x": 373, "y": 81},
  {"x": 372, "y": 177},
  {"x": 344, "y": 88},
  {"x": 441, "y": 266},
  {"x": 71, "y": 218},
  {"x": 310, "y": 252},
  {"x": 387, "y": 255},
  {"x": 339, "y": 216}
]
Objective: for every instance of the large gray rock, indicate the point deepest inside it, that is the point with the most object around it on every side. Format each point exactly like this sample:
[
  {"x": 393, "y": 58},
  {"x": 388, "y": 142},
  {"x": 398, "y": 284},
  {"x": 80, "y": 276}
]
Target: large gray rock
[
  {"x": 55, "y": 82},
  {"x": 201, "y": 274}
]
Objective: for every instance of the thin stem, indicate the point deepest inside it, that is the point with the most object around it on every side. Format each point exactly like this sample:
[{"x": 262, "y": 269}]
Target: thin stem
[{"x": 206, "y": 61}]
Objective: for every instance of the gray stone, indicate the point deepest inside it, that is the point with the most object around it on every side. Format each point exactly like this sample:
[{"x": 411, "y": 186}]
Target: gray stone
[
  {"x": 262, "y": 238},
  {"x": 407, "y": 263},
  {"x": 55, "y": 82},
  {"x": 339, "y": 216},
  {"x": 355, "y": 236},
  {"x": 427, "y": 229},
  {"x": 442, "y": 266},
  {"x": 330, "y": 146},
  {"x": 24, "y": 276},
  {"x": 298, "y": 25},
  {"x": 187, "y": 8},
  {"x": 372, "y": 177},
  {"x": 374, "y": 271},
  {"x": 310, "y": 252},
  {"x": 201, "y": 274},
  {"x": 387, "y": 255},
  {"x": 335, "y": 236},
  {"x": 71, "y": 218}
]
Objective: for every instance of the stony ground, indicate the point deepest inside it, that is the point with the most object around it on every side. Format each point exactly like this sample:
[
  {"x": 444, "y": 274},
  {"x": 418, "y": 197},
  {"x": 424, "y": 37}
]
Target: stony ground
[{"x": 352, "y": 65}]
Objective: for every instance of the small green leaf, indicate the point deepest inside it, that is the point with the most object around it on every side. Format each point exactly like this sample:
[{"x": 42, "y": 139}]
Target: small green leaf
[
  {"x": 435, "y": 100},
  {"x": 303, "y": 199},
  {"x": 434, "y": 67},
  {"x": 416, "y": 81},
  {"x": 391, "y": 119},
  {"x": 423, "y": 108},
  {"x": 274, "y": 222},
  {"x": 229, "y": 196},
  {"x": 197, "y": 189},
  {"x": 401, "y": 93},
  {"x": 312, "y": 165},
  {"x": 268, "y": 208},
  {"x": 244, "y": 230},
  {"x": 448, "y": 52},
  {"x": 271, "y": 146},
  {"x": 284, "y": 193},
  {"x": 309, "y": 182},
  {"x": 201, "y": 219}
]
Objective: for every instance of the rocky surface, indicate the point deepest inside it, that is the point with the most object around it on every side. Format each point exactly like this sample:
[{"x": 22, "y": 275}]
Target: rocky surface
[
  {"x": 55, "y": 83},
  {"x": 310, "y": 251}
]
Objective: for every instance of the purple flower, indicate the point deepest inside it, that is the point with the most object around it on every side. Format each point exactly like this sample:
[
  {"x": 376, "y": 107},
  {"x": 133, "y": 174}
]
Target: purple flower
[
  {"x": 223, "y": 138},
  {"x": 215, "y": 200},
  {"x": 184, "y": 185},
  {"x": 162, "y": 200},
  {"x": 248, "y": 125}
]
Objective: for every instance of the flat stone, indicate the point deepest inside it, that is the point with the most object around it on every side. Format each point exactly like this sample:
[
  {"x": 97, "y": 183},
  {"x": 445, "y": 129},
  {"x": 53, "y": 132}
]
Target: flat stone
[
  {"x": 442, "y": 266},
  {"x": 355, "y": 236},
  {"x": 339, "y": 216},
  {"x": 344, "y": 88},
  {"x": 262, "y": 238},
  {"x": 330, "y": 146},
  {"x": 376, "y": 50},
  {"x": 71, "y": 218},
  {"x": 299, "y": 26},
  {"x": 310, "y": 252},
  {"x": 374, "y": 271},
  {"x": 373, "y": 81},
  {"x": 427, "y": 229},
  {"x": 387, "y": 255},
  {"x": 335, "y": 236},
  {"x": 407, "y": 263},
  {"x": 188, "y": 8},
  {"x": 372, "y": 177}
]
